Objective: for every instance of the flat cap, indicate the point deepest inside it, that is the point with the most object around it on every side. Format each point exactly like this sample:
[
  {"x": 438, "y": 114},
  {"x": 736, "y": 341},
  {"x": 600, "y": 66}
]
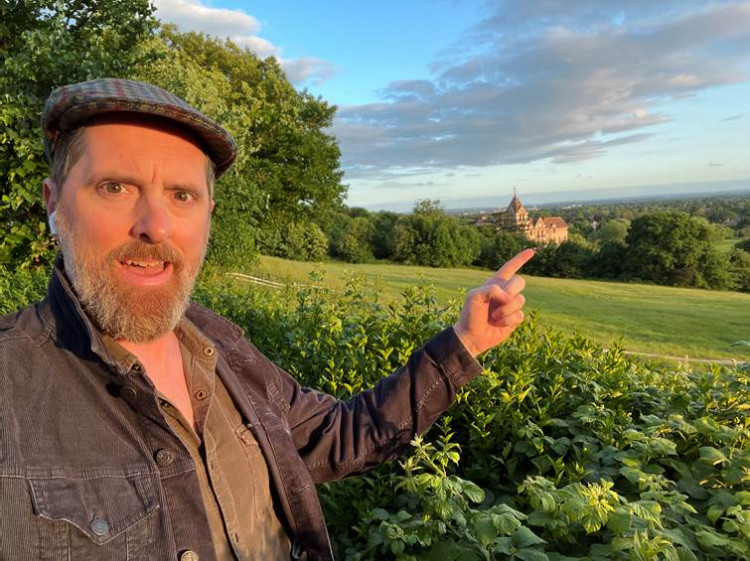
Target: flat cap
[{"x": 69, "y": 106}]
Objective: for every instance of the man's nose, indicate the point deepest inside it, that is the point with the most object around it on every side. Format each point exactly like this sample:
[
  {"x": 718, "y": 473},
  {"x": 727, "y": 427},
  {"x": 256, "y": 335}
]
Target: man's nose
[{"x": 153, "y": 223}]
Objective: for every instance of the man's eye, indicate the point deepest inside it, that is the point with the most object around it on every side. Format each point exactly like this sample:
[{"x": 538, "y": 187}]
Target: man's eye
[
  {"x": 183, "y": 196},
  {"x": 114, "y": 188}
]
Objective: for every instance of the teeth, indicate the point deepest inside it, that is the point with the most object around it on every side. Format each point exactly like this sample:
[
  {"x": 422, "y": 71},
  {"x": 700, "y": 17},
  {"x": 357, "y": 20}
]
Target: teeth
[{"x": 143, "y": 264}]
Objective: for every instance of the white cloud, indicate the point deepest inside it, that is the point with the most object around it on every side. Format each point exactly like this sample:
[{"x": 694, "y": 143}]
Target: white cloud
[
  {"x": 242, "y": 29},
  {"x": 306, "y": 69},
  {"x": 535, "y": 81},
  {"x": 194, "y": 16}
]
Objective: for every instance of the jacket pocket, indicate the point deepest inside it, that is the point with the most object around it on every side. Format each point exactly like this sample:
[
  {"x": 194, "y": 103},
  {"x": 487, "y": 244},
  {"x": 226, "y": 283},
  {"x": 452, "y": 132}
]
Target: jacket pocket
[{"x": 99, "y": 517}]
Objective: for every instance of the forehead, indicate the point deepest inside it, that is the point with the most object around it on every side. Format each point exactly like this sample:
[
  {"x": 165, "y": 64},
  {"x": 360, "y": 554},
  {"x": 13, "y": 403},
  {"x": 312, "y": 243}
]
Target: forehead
[{"x": 145, "y": 145}]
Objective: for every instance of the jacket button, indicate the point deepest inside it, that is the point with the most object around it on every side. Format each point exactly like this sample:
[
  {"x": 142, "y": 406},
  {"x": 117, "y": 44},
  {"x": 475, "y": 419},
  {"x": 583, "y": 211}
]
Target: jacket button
[
  {"x": 208, "y": 351},
  {"x": 188, "y": 555},
  {"x": 99, "y": 527},
  {"x": 164, "y": 457},
  {"x": 137, "y": 367},
  {"x": 200, "y": 395},
  {"x": 129, "y": 393}
]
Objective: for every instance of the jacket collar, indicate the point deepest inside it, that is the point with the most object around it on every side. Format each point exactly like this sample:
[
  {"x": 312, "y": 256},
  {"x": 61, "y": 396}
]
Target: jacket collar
[{"x": 73, "y": 328}]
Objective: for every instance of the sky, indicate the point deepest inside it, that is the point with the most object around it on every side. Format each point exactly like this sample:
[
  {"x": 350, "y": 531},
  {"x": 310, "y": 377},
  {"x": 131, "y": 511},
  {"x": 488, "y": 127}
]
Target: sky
[{"x": 463, "y": 101}]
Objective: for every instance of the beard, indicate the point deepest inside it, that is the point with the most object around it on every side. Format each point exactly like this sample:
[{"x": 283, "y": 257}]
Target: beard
[{"x": 122, "y": 311}]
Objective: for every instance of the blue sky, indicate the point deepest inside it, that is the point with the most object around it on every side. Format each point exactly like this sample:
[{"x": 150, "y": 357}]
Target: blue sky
[{"x": 463, "y": 101}]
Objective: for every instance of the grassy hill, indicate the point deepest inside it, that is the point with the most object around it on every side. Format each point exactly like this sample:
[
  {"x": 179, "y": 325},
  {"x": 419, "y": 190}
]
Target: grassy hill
[{"x": 644, "y": 318}]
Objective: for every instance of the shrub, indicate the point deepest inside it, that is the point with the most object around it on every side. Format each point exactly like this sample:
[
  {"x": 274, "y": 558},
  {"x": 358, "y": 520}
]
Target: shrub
[{"x": 558, "y": 451}]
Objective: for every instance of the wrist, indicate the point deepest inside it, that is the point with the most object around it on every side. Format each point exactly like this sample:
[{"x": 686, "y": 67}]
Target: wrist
[{"x": 466, "y": 340}]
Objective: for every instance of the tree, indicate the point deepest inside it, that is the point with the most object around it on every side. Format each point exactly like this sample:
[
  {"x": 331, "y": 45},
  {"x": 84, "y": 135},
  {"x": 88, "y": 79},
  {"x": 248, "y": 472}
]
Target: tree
[
  {"x": 287, "y": 172},
  {"x": 612, "y": 231},
  {"x": 430, "y": 237},
  {"x": 740, "y": 269},
  {"x": 497, "y": 247},
  {"x": 45, "y": 44},
  {"x": 382, "y": 237},
  {"x": 673, "y": 248},
  {"x": 351, "y": 239}
]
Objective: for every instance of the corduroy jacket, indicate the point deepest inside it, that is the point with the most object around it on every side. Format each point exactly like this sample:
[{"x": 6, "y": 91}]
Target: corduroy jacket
[{"x": 82, "y": 442}]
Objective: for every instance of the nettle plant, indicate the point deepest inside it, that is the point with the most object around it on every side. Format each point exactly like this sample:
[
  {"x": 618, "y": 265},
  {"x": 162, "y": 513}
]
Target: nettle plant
[{"x": 559, "y": 451}]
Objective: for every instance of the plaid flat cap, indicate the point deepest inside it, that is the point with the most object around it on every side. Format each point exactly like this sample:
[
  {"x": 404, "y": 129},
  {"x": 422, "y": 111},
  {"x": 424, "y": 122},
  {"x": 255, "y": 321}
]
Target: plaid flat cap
[{"x": 69, "y": 106}]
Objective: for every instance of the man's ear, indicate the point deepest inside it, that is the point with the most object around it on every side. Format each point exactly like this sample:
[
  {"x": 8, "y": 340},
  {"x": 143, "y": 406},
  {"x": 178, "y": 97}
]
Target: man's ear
[
  {"x": 50, "y": 195},
  {"x": 213, "y": 205}
]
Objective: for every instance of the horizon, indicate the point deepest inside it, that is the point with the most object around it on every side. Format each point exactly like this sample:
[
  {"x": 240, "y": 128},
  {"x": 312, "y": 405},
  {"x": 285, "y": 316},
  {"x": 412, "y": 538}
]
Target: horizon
[
  {"x": 587, "y": 197},
  {"x": 447, "y": 100}
]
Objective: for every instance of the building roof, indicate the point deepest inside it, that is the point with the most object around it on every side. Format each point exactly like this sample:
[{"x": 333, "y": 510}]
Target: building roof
[
  {"x": 556, "y": 221},
  {"x": 515, "y": 204}
]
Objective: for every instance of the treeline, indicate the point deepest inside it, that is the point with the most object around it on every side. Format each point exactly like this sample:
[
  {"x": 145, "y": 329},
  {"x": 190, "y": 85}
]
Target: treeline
[
  {"x": 663, "y": 247},
  {"x": 285, "y": 186},
  {"x": 660, "y": 245},
  {"x": 732, "y": 213}
]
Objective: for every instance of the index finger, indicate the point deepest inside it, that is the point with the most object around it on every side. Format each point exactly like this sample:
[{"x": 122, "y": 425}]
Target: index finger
[{"x": 512, "y": 266}]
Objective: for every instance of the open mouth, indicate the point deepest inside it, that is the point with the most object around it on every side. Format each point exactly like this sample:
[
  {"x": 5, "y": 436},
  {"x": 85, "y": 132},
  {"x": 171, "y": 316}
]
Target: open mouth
[{"x": 144, "y": 267}]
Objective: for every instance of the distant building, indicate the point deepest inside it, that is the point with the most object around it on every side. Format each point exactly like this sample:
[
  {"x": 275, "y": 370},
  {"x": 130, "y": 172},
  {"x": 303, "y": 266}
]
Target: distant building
[{"x": 542, "y": 230}]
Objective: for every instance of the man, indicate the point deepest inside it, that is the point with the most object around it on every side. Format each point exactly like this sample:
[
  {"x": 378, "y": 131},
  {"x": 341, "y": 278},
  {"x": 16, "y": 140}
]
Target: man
[{"x": 134, "y": 425}]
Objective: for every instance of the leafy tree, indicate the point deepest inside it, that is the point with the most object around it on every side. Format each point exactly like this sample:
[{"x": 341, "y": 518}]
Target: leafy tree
[
  {"x": 382, "y": 237},
  {"x": 740, "y": 269},
  {"x": 609, "y": 261},
  {"x": 612, "y": 231},
  {"x": 45, "y": 44},
  {"x": 351, "y": 239},
  {"x": 287, "y": 173},
  {"x": 498, "y": 247},
  {"x": 430, "y": 237},
  {"x": 673, "y": 248},
  {"x": 571, "y": 258}
]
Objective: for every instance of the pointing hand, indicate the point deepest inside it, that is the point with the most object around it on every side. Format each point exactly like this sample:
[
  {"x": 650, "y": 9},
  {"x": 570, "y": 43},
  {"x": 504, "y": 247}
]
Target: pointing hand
[{"x": 492, "y": 311}]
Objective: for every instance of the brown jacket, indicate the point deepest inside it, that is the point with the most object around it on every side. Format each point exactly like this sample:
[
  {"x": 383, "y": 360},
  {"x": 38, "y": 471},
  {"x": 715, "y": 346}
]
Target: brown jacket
[{"x": 80, "y": 440}]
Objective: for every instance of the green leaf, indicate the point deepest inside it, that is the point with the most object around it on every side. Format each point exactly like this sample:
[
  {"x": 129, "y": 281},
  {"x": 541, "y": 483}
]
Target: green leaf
[
  {"x": 484, "y": 529},
  {"x": 531, "y": 555},
  {"x": 709, "y": 539},
  {"x": 379, "y": 514},
  {"x": 444, "y": 551},
  {"x": 524, "y": 537},
  {"x": 619, "y": 521},
  {"x": 712, "y": 455},
  {"x": 714, "y": 513},
  {"x": 503, "y": 545},
  {"x": 473, "y": 492}
]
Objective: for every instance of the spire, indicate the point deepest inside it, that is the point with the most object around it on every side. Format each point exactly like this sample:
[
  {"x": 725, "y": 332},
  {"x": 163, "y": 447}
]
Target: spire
[{"x": 515, "y": 202}]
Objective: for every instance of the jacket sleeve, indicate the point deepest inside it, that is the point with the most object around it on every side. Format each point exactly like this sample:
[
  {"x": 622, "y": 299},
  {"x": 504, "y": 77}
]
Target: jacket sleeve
[{"x": 340, "y": 438}]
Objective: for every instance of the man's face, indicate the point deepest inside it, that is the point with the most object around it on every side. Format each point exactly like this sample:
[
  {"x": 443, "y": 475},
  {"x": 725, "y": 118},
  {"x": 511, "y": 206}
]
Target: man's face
[{"x": 133, "y": 219}]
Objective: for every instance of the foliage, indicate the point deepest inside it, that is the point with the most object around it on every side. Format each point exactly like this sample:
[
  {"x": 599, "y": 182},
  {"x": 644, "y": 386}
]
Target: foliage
[
  {"x": 559, "y": 450},
  {"x": 430, "y": 237},
  {"x": 287, "y": 173},
  {"x": 286, "y": 178},
  {"x": 497, "y": 247},
  {"x": 675, "y": 248},
  {"x": 351, "y": 239},
  {"x": 45, "y": 44}
]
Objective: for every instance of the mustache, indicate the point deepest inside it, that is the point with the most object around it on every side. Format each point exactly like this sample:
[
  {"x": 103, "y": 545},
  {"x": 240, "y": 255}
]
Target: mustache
[{"x": 136, "y": 250}]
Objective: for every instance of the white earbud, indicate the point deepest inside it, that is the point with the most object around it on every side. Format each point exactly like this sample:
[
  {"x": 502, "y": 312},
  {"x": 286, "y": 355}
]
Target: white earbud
[{"x": 53, "y": 223}]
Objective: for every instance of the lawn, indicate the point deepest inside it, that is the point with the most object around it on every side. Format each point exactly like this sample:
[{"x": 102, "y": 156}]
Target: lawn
[{"x": 644, "y": 318}]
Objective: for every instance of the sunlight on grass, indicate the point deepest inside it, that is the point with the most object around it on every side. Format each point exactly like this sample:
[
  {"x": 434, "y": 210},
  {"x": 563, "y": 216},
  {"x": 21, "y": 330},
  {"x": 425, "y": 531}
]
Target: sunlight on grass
[{"x": 645, "y": 318}]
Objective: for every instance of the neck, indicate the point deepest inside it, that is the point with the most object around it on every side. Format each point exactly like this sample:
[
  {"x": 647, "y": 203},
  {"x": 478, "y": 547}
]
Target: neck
[{"x": 155, "y": 352}]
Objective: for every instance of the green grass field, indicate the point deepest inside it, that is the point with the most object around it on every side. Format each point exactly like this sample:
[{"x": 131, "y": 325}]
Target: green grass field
[{"x": 644, "y": 318}]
